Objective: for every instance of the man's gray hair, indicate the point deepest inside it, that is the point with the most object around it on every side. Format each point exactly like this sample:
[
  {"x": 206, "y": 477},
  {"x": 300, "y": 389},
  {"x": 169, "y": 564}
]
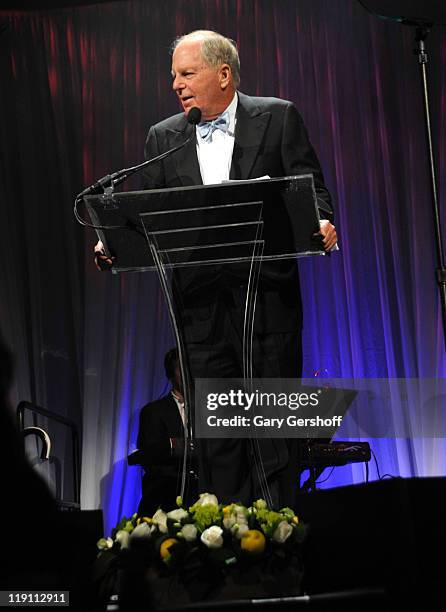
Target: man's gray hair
[{"x": 216, "y": 50}]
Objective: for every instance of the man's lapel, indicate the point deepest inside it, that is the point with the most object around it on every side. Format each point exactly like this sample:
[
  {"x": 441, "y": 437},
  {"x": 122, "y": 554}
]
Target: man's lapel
[
  {"x": 249, "y": 132},
  {"x": 185, "y": 160},
  {"x": 173, "y": 415}
]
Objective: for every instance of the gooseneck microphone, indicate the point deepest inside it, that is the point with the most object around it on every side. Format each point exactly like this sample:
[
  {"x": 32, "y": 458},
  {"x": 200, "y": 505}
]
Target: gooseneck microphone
[{"x": 111, "y": 180}]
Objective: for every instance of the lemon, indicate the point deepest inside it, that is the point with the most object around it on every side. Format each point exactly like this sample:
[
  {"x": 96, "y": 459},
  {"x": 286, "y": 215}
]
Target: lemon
[
  {"x": 164, "y": 548},
  {"x": 253, "y": 541}
]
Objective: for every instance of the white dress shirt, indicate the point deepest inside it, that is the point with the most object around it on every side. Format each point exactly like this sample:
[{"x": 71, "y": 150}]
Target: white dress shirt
[
  {"x": 215, "y": 155},
  {"x": 180, "y": 406}
]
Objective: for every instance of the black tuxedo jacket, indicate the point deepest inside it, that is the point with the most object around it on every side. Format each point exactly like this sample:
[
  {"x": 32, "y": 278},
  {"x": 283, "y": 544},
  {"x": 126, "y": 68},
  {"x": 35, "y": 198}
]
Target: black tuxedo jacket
[
  {"x": 158, "y": 422},
  {"x": 270, "y": 139}
]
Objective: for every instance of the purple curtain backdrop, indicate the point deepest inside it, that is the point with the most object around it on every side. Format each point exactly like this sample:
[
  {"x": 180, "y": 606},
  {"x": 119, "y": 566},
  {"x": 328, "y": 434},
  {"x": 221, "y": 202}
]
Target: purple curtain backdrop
[{"x": 79, "y": 89}]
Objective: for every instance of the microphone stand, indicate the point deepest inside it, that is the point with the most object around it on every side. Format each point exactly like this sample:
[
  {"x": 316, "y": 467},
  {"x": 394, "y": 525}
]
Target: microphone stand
[
  {"x": 421, "y": 33},
  {"x": 434, "y": 13}
]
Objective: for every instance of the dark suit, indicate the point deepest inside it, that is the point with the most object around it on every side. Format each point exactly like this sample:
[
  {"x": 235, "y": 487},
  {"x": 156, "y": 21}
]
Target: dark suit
[
  {"x": 270, "y": 139},
  {"x": 158, "y": 422}
]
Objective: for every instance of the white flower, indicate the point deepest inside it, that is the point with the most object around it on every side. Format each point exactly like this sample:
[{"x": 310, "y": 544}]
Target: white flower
[
  {"x": 178, "y": 515},
  {"x": 160, "y": 520},
  {"x": 229, "y": 521},
  {"x": 282, "y": 532},
  {"x": 104, "y": 543},
  {"x": 189, "y": 532},
  {"x": 207, "y": 498},
  {"x": 212, "y": 537},
  {"x": 235, "y": 518},
  {"x": 123, "y": 538},
  {"x": 142, "y": 531},
  {"x": 241, "y": 529}
]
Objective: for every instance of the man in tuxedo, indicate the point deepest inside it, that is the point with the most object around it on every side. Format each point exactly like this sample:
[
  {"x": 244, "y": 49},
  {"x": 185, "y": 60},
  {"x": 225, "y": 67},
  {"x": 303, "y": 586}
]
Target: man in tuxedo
[
  {"x": 161, "y": 442},
  {"x": 261, "y": 136},
  {"x": 240, "y": 137}
]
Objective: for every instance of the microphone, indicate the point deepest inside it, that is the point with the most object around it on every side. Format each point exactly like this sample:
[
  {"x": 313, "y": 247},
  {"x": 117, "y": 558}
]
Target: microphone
[
  {"x": 193, "y": 118},
  {"x": 194, "y": 115}
]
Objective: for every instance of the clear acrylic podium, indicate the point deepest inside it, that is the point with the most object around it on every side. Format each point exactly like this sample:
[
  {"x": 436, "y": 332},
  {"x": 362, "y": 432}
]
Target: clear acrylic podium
[{"x": 192, "y": 235}]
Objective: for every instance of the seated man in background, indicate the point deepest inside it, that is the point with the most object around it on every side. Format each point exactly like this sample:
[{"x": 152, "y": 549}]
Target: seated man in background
[{"x": 161, "y": 442}]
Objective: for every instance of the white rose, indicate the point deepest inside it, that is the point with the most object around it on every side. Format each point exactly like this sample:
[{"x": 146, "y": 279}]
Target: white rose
[
  {"x": 241, "y": 515},
  {"x": 189, "y": 532},
  {"x": 178, "y": 515},
  {"x": 123, "y": 538},
  {"x": 142, "y": 531},
  {"x": 212, "y": 537},
  {"x": 160, "y": 520},
  {"x": 207, "y": 498},
  {"x": 104, "y": 543},
  {"x": 240, "y": 531},
  {"x": 282, "y": 532}
]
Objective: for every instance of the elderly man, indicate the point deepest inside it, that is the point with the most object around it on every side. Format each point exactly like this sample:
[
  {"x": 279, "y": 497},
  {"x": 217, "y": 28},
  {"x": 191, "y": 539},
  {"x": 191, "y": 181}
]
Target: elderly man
[{"x": 240, "y": 137}]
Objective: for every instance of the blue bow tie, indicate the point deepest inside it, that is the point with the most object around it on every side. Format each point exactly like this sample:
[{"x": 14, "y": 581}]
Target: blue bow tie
[{"x": 206, "y": 128}]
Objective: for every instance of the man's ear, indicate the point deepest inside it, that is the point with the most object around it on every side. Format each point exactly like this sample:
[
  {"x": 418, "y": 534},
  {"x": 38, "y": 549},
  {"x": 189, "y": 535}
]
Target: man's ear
[{"x": 225, "y": 75}]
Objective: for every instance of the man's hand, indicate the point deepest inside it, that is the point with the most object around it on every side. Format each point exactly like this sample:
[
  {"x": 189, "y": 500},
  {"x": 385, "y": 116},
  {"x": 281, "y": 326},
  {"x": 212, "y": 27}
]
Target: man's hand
[
  {"x": 328, "y": 233},
  {"x": 100, "y": 258}
]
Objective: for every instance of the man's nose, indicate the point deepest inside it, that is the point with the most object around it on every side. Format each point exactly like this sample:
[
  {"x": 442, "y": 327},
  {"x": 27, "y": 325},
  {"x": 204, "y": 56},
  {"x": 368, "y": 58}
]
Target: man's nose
[{"x": 177, "y": 85}]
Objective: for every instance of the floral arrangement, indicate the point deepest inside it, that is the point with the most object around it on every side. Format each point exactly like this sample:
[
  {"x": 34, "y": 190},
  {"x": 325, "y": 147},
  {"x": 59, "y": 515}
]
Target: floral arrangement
[{"x": 210, "y": 541}]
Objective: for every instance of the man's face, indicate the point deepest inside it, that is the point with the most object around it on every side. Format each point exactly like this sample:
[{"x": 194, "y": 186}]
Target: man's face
[
  {"x": 177, "y": 382},
  {"x": 197, "y": 84}
]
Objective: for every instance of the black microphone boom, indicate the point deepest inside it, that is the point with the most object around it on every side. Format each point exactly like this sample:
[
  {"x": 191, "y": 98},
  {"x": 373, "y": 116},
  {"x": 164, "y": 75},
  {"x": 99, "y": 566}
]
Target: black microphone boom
[
  {"x": 111, "y": 180},
  {"x": 193, "y": 118}
]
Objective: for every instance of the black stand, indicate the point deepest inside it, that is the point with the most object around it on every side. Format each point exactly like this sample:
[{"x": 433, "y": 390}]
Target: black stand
[
  {"x": 422, "y": 15},
  {"x": 422, "y": 32}
]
